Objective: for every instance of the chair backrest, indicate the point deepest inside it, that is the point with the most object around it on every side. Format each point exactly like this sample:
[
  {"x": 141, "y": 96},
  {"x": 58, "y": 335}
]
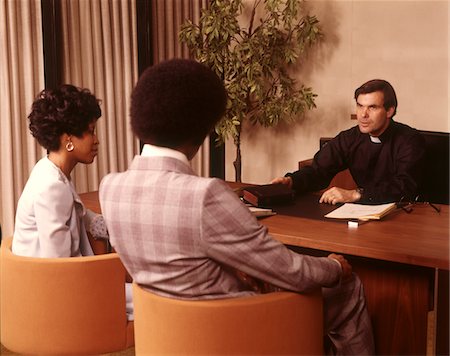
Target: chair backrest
[
  {"x": 275, "y": 323},
  {"x": 62, "y": 306},
  {"x": 435, "y": 187}
]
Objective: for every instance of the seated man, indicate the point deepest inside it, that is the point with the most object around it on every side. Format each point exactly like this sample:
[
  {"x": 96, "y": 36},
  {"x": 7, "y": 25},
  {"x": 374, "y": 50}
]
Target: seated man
[
  {"x": 384, "y": 157},
  {"x": 188, "y": 237}
]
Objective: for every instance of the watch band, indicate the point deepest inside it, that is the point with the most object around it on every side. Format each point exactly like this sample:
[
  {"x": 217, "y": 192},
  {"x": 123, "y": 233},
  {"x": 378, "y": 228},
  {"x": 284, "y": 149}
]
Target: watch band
[{"x": 360, "y": 191}]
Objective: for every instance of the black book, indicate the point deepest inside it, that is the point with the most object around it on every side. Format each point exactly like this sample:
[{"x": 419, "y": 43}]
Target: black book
[{"x": 268, "y": 195}]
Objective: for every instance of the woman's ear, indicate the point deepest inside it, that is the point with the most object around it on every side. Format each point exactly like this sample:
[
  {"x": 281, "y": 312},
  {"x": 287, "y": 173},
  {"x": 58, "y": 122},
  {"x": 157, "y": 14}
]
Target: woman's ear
[{"x": 65, "y": 140}]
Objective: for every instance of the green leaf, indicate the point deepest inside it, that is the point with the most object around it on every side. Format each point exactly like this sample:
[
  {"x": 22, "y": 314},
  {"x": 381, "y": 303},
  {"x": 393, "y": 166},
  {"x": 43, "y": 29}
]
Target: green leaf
[{"x": 254, "y": 57}]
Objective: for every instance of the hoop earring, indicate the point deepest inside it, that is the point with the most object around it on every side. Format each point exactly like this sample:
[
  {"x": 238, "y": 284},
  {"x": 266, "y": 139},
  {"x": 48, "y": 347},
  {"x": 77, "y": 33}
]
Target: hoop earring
[{"x": 69, "y": 146}]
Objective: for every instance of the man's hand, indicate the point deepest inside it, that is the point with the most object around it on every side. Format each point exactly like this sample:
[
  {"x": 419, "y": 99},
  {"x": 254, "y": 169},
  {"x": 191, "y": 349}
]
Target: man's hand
[
  {"x": 283, "y": 180},
  {"x": 346, "y": 267},
  {"x": 336, "y": 195}
]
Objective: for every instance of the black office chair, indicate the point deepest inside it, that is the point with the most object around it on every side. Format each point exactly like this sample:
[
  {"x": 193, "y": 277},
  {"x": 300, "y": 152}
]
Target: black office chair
[{"x": 435, "y": 185}]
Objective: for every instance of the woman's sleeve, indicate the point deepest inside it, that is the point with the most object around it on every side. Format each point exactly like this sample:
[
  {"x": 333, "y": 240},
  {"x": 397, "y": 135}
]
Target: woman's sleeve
[
  {"x": 96, "y": 225},
  {"x": 53, "y": 210}
]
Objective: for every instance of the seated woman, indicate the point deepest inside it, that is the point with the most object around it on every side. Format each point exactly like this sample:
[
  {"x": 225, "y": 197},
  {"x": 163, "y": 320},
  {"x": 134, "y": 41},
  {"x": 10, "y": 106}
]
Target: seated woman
[{"x": 51, "y": 220}]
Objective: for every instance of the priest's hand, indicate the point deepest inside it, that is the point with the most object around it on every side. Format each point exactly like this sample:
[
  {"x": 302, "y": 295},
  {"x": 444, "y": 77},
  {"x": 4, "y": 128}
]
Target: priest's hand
[{"x": 336, "y": 195}]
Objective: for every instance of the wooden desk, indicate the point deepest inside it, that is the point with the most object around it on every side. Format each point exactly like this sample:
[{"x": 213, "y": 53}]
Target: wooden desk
[{"x": 402, "y": 260}]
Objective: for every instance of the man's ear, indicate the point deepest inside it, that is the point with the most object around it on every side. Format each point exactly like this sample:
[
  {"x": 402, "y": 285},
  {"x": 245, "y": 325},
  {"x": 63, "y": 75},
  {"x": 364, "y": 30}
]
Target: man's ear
[{"x": 390, "y": 112}]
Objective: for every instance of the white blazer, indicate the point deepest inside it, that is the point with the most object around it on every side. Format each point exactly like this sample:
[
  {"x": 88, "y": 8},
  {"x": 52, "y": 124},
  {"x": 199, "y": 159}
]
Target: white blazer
[{"x": 50, "y": 217}]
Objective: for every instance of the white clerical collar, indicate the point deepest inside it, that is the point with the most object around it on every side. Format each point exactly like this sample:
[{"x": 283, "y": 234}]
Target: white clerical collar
[
  {"x": 158, "y": 151},
  {"x": 374, "y": 139}
]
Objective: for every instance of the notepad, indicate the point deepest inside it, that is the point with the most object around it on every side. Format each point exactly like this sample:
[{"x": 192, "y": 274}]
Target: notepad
[{"x": 361, "y": 212}]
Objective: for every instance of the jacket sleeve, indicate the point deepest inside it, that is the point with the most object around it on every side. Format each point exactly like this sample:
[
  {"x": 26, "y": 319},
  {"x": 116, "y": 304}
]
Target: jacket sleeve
[
  {"x": 231, "y": 235},
  {"x": 327, "y": 162},
  {"x": 53, "y": 210}
]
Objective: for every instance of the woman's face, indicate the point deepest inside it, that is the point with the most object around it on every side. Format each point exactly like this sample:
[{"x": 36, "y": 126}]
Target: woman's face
[{"x": 86, "y": 146}]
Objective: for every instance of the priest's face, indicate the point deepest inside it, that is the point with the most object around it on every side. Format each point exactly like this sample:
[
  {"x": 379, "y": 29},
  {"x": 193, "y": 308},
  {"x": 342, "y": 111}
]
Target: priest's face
[{"x": 372, "y": 117}]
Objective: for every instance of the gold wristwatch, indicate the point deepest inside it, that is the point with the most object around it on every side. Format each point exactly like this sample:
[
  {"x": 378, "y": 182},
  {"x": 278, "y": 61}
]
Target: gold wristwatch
[{"x": 360, "y": 191}]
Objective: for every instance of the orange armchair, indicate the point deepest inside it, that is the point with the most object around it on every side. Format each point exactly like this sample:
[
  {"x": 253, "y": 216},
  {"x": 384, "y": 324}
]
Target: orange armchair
[
  {"x": 275, "y": 323},
  {"x": 63, "y": 306}
]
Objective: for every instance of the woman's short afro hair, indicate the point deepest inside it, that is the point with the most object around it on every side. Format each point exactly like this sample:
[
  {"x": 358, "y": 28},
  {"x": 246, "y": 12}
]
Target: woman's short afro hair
[
  {"x": 66, "y": 109},
  {"x": 176, "y": 102}
]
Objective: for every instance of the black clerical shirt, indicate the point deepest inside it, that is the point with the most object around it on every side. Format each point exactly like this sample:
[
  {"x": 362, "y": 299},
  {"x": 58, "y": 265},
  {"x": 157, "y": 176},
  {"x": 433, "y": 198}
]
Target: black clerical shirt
[{"x": 386, "y": 171}]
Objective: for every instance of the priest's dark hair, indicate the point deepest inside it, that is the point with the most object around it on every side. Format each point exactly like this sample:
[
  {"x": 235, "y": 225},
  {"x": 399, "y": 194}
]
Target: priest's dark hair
[
  {"x": 176, "y": 102},
  {"x": 390, "y": 98}
]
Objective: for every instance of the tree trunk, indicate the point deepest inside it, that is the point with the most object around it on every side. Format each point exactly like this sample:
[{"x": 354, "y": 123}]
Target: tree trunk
[{"x": 238, "y": 162}]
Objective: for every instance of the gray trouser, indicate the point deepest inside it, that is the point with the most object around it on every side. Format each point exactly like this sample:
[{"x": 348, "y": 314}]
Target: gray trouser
[{"x": 346, "y": 320}]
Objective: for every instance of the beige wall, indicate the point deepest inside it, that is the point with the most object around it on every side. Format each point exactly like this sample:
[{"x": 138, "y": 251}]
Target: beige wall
[{"x": 404, "y": 42}]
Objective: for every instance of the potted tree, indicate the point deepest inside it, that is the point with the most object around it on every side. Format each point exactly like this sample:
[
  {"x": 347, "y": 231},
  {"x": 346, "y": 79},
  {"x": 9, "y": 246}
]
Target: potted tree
[{"x": 251, "y": 45}]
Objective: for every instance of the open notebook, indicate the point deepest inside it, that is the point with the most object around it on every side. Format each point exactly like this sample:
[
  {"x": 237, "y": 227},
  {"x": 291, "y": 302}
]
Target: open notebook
[{"x": 351, "y": 211}]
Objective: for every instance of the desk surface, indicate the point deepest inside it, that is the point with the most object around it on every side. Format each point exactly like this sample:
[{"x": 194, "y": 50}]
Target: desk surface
[{"x": 420, "y": 238}]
